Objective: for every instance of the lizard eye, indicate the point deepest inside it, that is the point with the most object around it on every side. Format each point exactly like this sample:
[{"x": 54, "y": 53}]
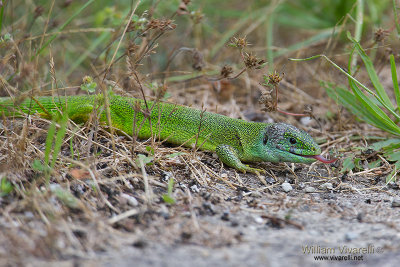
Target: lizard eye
[
  {"x": 292, "y": 140},
  {"x": 265, "y": 139}
]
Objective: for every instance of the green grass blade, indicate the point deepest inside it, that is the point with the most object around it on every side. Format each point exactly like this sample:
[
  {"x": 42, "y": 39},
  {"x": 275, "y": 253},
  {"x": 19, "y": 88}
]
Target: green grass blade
[
  {"x": 59, "y": 138},
  {"x": 380, "y": 90},
  {"x": 270, "y": 41},
  {"x": 384, "y": 121},
  {"x": 1, "y": 16},
  {"x": 62, "y": 28},
  {"x": 349, "y": 101},
  {"x": 49, "y": 142},
  {"x": 353, "y": 79},
  {"x": 396, "y": 18},
  {"x": 358, "y": 29},
  {"x": 395, "y": 82},
  {"x": 71, "y": 148}
]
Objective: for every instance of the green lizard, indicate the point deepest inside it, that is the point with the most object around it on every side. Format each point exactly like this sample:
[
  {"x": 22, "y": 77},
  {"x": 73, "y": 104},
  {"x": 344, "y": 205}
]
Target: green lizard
[{"x": 234, "y": 140}]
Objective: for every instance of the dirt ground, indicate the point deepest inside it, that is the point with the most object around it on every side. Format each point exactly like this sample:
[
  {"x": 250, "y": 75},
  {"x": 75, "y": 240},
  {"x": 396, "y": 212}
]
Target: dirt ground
[
  {"x": 235, "y": 221},
  {"x": 251, "y": 230}
]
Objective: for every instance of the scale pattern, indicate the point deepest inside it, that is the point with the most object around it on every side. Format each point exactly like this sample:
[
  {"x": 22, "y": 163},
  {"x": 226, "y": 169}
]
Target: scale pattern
[{"x": 234, "y": 140}]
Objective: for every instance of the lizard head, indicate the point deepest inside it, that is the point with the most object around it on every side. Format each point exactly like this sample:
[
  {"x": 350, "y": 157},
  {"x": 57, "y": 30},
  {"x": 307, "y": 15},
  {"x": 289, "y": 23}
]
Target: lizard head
[{"x": 286, "y": 143}]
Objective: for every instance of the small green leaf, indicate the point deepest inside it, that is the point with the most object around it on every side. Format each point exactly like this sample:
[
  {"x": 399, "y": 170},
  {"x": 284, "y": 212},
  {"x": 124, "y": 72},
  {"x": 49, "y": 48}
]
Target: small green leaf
[
  {"x": 166, "y": 96},
  {"x": 145, "y": 159},
  {"x": 150, "y": 150},
  {"x": 392, "y": 142},
  {"x": 91, "y": 87},
  {"x": 88, "y": 84},
  {"x": 65, "y": 196},
  {"x": 38, "y": 166},
  {"x": 5, "y": 187},
  {"x": 394, "y": 156},
  {"x": 348, "y": 165},
  {"x": 170, "y": 185},
  {"x": 6, "y": 37},
  {"x": 135, "y": 18},
  {"x": 168, "y": 199},
  {"x": 357, "y": 163},
  {"x": 374, "y": 164},
  {"x": 391, "y": 177}
]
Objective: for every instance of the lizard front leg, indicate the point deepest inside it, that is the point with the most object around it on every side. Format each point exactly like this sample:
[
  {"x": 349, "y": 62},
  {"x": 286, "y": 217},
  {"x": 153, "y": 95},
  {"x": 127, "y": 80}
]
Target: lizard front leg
[{"x": 229, "y": 155}]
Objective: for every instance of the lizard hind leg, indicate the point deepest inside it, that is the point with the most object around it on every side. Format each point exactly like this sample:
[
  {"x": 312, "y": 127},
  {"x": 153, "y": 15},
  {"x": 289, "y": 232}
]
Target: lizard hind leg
[
  {"x": 230, "y": 156},
  {"x": 81, "y": 113}
]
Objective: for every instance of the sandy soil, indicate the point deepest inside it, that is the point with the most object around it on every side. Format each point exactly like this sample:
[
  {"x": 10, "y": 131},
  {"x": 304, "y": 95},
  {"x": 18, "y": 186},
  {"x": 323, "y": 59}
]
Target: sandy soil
[{"x": 221, "y": 226}]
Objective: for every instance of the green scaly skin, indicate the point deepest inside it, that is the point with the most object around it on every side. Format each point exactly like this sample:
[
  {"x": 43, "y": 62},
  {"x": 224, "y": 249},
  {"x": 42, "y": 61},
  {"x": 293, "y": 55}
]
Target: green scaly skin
[{"x": 234, "y": 140}]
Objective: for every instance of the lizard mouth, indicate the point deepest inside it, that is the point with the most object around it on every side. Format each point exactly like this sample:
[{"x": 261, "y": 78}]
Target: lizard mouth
[
  {"x": 319, "y": 157},
  {"x": 316, "y": 157}
]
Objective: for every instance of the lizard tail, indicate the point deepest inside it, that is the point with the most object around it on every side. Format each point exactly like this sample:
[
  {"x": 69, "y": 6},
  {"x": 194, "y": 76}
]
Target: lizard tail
[
  {"x": 43, "y": 106},
  {"x": 78, "y": 108}
]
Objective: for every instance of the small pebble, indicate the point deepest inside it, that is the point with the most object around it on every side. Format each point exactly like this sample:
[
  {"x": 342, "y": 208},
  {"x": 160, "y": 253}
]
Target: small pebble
[
  {"x": 234, "y": 222},
  {"x": 29, "y": 214},
  {"x": 140, "y": 243},
  {"x": 286, "y": 187},
  {"x": 310, "y": 189},
  {"x": 165, "y": 176},
  {"x": 270, "y": 180},
  {"x": 256, "y": 194},
  {"x": 209, "y": 208},
  {"x": 314, "y": 233},
  {"x": 194, "y": 189},
  {"x": 131, "y": 200},
  {"x": 393, "y": 185},
  {"x": 182, "y": 186},
  {"x": 396, "y": 203},
  {"x": 327, "y": 186},
  {"x": 54, "y": 186},
  {"x": 350, "y": 236},
  {"x": 360, "y": 216},
  {"x": 306, "y": 120},
  {"x": 301, "y": 185},
  {"x": 259, "y": 220},
  {"x": 225, "y": 216}
]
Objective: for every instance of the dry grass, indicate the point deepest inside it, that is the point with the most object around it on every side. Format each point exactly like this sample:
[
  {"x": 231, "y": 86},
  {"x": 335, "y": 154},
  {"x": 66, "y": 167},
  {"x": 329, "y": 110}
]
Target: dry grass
[{"x": 101, "y": 194}]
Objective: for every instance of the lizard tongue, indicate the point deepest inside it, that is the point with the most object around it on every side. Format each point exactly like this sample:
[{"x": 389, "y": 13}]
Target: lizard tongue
[{"x": 322, "y": 159}]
